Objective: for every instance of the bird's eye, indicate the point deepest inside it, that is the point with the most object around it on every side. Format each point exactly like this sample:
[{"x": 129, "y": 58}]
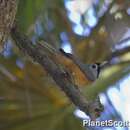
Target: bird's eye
[{"x": 94, "y": 66}]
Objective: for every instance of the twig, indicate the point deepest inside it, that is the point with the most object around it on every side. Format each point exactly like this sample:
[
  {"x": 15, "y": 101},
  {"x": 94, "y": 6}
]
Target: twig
[
  {"x": 58, "y": 73},
  {"x": 116, "y": 53},
  {"x": 123, "y": 41},
  {"x": 121, "y": 51}
]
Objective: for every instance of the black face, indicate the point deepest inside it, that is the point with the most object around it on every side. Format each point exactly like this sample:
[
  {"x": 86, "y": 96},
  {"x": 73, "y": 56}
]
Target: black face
[{"x": 96, "y": 67}]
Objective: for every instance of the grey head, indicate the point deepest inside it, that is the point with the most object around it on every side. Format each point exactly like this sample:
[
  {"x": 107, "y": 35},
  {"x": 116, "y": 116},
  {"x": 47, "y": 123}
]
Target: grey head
[{"x": 92, "y": 71}]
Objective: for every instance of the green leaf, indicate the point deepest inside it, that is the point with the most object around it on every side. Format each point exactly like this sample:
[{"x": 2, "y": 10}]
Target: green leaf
[
  {"x": 28, "y": 11},
  {"x": 110, "y": 76}
]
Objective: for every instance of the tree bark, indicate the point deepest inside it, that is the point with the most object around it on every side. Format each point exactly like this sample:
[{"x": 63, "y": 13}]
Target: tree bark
[
  {"x": 59, "y": 74},
  {"x": 8, "y": 9}
]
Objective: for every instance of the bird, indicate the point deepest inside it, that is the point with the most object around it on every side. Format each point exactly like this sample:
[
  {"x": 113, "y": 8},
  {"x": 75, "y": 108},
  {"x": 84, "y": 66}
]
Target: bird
[{"x": 82, "y": 73}]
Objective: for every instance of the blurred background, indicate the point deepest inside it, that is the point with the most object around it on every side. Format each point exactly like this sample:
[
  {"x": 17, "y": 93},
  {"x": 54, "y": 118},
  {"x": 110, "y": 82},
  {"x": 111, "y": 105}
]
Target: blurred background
[{"x": 94, "y": 31}]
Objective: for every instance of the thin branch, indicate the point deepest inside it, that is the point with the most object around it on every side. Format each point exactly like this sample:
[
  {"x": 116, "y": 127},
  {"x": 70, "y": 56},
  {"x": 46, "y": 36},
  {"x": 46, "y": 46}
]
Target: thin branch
[
  {"x": 116, "y": 53},
  {"x": 123, "y": 40},
  {"x": 121, "y": 51},
  {"x": 59, "y": 74}
]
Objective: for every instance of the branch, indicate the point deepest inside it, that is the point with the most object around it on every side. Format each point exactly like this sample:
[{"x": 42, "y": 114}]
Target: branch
[
  {"x": 116, "y": 53},
  {"x": 59, "y": 74},
  {"x": 105, "y": 81},
  {"x": 121, "y": 51}
]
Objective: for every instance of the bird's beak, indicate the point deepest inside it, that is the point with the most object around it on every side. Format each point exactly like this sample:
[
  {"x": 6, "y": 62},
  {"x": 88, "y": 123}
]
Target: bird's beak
[{"x": 103, "y": 64}]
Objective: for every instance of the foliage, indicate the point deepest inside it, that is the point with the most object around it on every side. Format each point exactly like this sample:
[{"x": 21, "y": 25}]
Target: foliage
[{"x": 29, "y": 98}]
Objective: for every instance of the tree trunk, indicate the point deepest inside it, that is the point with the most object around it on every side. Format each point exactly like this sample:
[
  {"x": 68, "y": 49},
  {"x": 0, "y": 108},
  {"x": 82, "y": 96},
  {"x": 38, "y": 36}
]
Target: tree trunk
[{"x": 8, "y": 10}]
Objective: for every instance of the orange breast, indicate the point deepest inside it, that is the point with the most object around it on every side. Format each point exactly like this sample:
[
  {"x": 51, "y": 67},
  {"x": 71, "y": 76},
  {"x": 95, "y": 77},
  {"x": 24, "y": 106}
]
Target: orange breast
[{"x": 79, "y": 78}]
